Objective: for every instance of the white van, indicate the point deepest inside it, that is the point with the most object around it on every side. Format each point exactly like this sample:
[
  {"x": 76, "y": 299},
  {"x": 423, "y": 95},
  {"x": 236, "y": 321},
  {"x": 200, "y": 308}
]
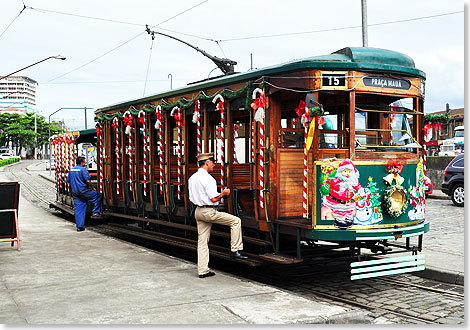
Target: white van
[{"x": 455, "y": 145}]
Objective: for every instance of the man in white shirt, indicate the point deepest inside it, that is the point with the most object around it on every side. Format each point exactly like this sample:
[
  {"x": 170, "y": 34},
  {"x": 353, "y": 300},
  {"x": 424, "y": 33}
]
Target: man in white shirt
[{"x": 203, "y": 193}]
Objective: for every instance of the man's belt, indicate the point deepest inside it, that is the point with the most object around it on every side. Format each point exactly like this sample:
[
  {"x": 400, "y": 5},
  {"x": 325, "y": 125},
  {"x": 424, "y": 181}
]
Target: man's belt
[
  {"x": 340, "y": 200},
  {"x": 211, "y": 206}
]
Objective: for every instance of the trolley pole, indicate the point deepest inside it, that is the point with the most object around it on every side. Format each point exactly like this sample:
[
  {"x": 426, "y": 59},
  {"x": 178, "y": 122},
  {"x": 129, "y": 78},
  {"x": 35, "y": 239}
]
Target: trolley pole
[{"x": 365, "y": 42}]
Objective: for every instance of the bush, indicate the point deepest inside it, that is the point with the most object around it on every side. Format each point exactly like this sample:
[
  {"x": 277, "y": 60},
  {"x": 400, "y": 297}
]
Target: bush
[{"x": 11, "y": 160}]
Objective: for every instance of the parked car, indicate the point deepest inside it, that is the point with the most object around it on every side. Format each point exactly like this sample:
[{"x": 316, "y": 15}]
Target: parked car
[
  {"x": 453, "y": 184},
  {"x": 50, "y": 165},
  {"x": 5, "y": 156}
]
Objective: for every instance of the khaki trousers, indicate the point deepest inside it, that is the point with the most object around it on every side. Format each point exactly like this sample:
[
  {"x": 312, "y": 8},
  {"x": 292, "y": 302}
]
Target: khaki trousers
[{"x": 205, "y": 217}]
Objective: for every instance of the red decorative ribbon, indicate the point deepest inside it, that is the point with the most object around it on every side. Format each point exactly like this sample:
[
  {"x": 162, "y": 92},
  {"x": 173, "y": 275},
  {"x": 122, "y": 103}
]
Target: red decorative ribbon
[
  {"x": 259, "y": 102},
  {"x": 128, "y": 120},
  {"x": 141, "y": 120},
  {"x": 302, "y": 110},
  {"x": 394, "y": 166},
  {"x": 115, "y": 124}
]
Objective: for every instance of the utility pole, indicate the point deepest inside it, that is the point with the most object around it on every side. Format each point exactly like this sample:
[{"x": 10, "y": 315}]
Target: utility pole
[{"x": 365, "y": 42}]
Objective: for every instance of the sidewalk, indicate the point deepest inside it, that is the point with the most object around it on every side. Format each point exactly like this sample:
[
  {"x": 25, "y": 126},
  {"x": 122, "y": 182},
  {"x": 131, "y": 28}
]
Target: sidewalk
[{"x": 62, "y": 276}]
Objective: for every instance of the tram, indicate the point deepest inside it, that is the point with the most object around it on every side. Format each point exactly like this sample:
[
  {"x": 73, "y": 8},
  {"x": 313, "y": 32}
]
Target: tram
[{"x": 321, "y": 154}]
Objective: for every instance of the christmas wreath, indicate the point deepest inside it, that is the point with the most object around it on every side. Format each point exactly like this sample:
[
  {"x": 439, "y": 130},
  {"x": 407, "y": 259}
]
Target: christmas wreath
[{"x": 395, "y": 200}]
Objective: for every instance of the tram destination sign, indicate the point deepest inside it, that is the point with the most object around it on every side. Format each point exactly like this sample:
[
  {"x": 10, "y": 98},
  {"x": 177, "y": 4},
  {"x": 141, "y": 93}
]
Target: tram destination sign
[
  {"x": 383, "y": 82},
  {"x": 330, "y": 80}
]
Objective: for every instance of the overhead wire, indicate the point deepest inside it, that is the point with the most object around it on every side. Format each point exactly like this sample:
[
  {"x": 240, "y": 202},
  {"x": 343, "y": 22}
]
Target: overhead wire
[
  {"x": 340, "y": 28},
  {"x": 122, "y": 44},
  {"x": 148, "y": 65},
  {"x": 22, "y": 10}
]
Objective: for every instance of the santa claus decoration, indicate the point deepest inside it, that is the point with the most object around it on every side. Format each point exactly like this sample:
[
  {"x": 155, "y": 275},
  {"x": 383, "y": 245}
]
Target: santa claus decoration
[{"x": 345, "y": 189}]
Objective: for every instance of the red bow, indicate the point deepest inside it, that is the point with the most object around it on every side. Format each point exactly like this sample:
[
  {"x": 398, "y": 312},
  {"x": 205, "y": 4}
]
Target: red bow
[
  {"x": 141, "y": 120},
  {"x": 128, "y": 120},
  {"x": 302, "y": 110},
  {"x": 219, "y": 129},
  {"x": 178, "y": 116},
  {"x": 220, "y": 106},
  {"x": 98, "y": 130},
  {"x": 259, "y": 102},
  {"x": 427, "y": 129},
  {"x": 115, "y": 124},
  {"x": 394, "y": 165},
  {"x": 321, "y": 121}
]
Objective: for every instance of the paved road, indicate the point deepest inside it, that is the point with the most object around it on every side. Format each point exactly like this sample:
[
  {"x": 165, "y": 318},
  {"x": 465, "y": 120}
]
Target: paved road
[
  {"x": 447, "y": 224},
  {"x": 390, "y": 302}
]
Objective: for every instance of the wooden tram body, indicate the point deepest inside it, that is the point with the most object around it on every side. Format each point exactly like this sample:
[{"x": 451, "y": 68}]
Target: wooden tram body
[{"x": 280, "y": 188}]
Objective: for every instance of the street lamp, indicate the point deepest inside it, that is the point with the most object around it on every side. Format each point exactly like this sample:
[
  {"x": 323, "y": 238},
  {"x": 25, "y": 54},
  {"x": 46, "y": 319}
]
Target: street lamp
[
  {"x": 50, "y": 142},
  {"x": 58, "y": 57}
]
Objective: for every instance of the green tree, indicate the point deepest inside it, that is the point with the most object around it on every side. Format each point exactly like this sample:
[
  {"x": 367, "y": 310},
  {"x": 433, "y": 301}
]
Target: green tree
[{"x": 19, "y": 130}]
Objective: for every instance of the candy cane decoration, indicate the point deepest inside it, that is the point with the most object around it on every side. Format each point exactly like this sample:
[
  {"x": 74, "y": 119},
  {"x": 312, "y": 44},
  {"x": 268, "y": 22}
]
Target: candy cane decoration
[
  {"x": 235, "y": 135},
  {"x": 115, "y": 125},
  {"x": 175, "y": 112},
  {"x": 100, "y": 154},
  {"x": 220, "y": 107},
  {"x": 128, "y": 121},
  {"x": 158, "y": 126},
  {"x": 253, "y": 132},
  {"x": 54, "y": 152},
  {"x": 61, "y": 177},
  {"x": 141, "y": 119},
  {"x": 304, "y": 203},
  {"x": 259, "y": 104},
  {"x": 69, "y": 145},
  {"x": 197, "y": 121}
]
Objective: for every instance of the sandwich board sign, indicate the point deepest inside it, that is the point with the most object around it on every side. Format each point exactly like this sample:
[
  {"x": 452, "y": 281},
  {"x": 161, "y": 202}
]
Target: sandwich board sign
[{"x": 9, "y": 198}]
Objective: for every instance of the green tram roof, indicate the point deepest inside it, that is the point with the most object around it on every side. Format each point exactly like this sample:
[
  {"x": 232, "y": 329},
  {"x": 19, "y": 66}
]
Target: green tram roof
[{"x": 349, "y": 58}]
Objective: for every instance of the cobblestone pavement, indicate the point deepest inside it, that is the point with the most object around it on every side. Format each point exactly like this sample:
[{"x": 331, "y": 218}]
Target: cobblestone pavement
[
  {"x": 447, "y": 226},
  {"x": 395, "y": 299}
]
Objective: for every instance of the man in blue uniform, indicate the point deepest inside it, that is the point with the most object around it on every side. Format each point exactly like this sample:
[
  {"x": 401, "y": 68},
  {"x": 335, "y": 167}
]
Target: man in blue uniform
[{"x": 83, "y": 192}]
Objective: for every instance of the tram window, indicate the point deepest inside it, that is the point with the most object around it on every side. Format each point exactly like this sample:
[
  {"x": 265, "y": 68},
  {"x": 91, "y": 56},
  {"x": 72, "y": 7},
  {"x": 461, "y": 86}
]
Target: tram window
[
  {"x": 174, "y": 149},
  {"x": 239, "y": 147},
  {"x": 382, "y": 126}
]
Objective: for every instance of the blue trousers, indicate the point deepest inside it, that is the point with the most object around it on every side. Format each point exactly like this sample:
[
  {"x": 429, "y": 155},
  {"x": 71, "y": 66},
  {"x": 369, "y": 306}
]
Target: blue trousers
[{"x": 80, "y": 202}]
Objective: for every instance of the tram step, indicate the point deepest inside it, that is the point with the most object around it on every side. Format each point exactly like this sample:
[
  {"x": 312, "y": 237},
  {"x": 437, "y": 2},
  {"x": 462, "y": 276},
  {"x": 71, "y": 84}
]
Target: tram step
[
  {"x": 280, "y": 259},
  {"x": 215, "y": 250},
  {"x": 62, "y": 207},
  {"x": 246, "y": 239},
  {"x": 298, "y": 223}
]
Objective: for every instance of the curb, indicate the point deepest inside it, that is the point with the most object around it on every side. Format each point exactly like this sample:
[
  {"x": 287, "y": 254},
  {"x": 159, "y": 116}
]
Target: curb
[
  {"x": 46, "y": 177},
  {"x": 440, "y": 275},
  {"x": 443, "y": 197}
]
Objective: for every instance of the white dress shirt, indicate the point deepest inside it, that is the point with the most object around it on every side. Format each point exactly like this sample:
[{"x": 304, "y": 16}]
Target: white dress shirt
[{"x": 202, "y": 187}]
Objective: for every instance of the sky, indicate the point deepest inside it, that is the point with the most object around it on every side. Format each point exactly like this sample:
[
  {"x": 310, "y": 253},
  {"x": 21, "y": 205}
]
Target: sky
[{"x": 111, "y": 59}]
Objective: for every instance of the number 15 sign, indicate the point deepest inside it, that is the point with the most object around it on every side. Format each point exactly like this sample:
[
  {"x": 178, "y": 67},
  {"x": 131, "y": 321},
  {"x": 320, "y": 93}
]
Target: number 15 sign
[{"x": 333, "y": 80}]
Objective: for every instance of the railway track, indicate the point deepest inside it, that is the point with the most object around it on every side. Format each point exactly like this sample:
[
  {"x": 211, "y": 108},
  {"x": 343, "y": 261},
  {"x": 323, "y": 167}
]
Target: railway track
[{"x": 401, "y": 299}]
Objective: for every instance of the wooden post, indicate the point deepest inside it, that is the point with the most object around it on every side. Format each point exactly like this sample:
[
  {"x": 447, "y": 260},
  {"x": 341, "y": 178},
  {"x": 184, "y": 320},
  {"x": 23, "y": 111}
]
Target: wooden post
[
  {"x": 167, "y": 145},
  {"x": 206, "y": 130},
  {"x": 352, "y": 125}
]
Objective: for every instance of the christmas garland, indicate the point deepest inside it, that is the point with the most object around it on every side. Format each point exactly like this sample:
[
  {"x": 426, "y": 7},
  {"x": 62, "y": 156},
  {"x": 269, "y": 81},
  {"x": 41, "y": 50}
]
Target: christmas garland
[
  {"x": 388, "y": 200},
  {"x": 183, "y": 103},
  {"x": 437, "y": 118}
]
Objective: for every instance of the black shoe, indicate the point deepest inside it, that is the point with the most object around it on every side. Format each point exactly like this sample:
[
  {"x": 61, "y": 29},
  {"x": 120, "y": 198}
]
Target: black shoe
[
  {"x": 207, "y": 275},
  {"x": 343, "y": 224},
  {"x": 237, "y": 255},
  {"x": 80, "y": 228},
  {"x": 96, "y": 216}
]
